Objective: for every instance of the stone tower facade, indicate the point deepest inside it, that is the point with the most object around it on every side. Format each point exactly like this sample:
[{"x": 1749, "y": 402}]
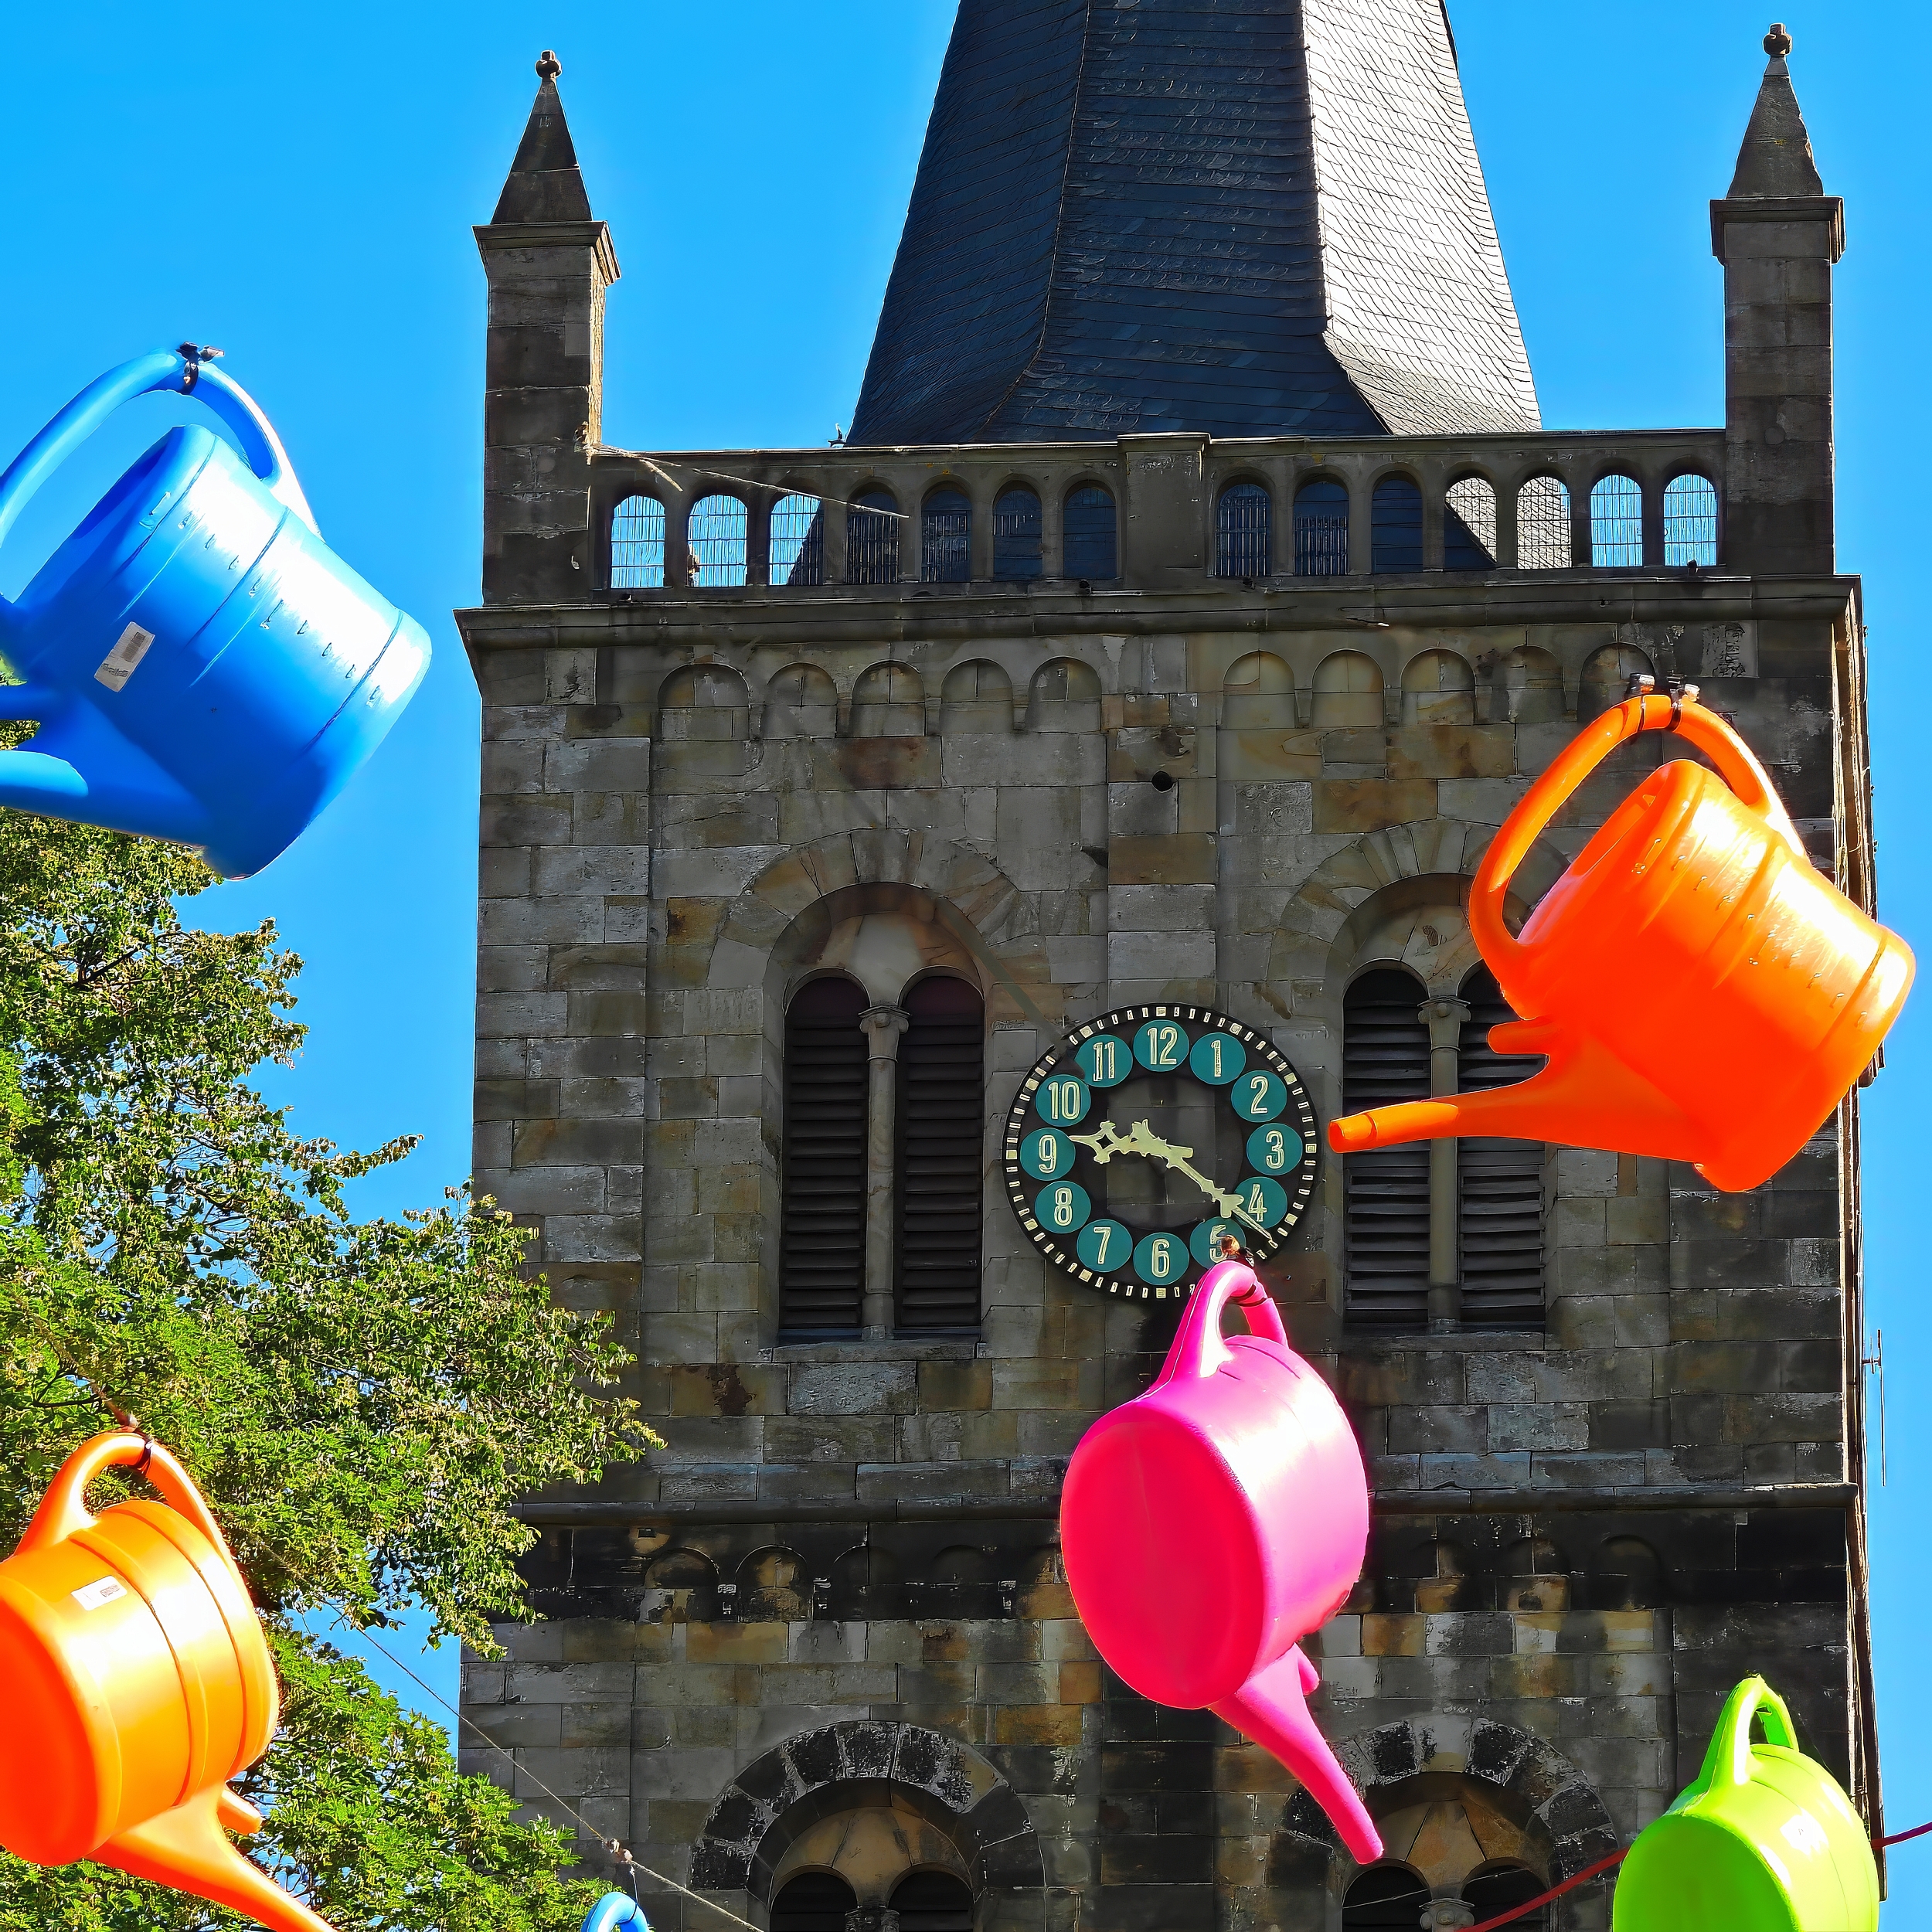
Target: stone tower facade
[{"x": 826, "y": 790}]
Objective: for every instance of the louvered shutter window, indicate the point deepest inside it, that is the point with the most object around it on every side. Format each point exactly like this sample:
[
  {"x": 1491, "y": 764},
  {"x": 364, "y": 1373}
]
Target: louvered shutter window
[
  {"x": 941, "y": 1190},
  {"x": 1385, "y": 1057},
  {"x": 821, "y": 1256},
  {"x": 1499, "y": 1184}
]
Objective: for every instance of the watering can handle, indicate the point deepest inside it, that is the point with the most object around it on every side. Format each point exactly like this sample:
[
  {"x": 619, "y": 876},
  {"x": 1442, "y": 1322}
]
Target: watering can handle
[
  {"x": 64, "y": 1511},
  {"x": 1729, "y": 1761},
  {"x": 1198, "y": 1350},
  {"x": 165, "y": 370},
  {"x": 1734, "y": 759}
]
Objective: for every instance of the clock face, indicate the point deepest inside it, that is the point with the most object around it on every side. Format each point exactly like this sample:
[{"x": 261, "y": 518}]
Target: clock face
[{"x": 1148, "y": 1133}]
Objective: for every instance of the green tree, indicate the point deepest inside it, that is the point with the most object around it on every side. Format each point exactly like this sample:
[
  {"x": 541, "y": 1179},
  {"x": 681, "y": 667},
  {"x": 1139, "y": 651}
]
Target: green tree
[{"x": 359, "y": 1400}]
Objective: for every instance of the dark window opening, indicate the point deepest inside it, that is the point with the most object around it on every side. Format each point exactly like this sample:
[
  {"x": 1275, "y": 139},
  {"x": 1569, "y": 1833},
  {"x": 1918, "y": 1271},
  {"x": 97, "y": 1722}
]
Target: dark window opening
[
  {"x": 1091, "y": 536},
  {"x": 946, "y": 555},
  {"x": 1385, "y": 1896},
  {"x": 1499, "y": 1184},
  {"x": 813, "y": 1902},
  {"x": 1016, "y": 536},
  {"x": 821, "y": 1246},
  {"x": 1244, "y": 522},
  {"x": 933, "y": 1902},
  {"x": 1494, "y": 1892},
  {"x": 939, "y": 1194},
  {"x": 872, "y": 539},
  {"x": 1394, "y": 525},
  {"x": 1469, "y": 526},
  {"x": 1385, "y": 1058},
  {"x": 1321, "y": 529}
]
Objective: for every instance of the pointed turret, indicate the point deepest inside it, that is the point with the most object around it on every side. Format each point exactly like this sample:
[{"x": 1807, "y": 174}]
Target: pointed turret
[
  {"x": 1777, "y": 233},
  {"x": 548, "y": 261}
]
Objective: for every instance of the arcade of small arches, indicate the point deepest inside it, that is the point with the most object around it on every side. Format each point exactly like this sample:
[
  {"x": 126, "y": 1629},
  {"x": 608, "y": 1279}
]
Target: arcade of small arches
[{"x": 1337, "y": 524}]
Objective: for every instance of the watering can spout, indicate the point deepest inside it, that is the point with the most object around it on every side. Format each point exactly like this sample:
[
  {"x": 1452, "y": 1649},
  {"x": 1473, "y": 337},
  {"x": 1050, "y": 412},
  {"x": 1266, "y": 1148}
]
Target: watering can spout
[
  {"x": 188, "y": 1849},
  {"x": 1272, "y": 1708}
]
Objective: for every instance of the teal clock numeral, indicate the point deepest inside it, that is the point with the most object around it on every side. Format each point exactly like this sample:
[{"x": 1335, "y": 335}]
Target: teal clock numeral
[
  {"x": 1046, "y": 1155},
  {"x": 1217, "y": 1057},
  {"x": 1161, "y": 1259},
  {"x": 1062, "y": 1208},
  {"x": 1104, "y": 1245},
  {"x": 1161, "y": 1047},
  {"x": 1205, "y": 1243},
  {"x": 1264, "y": 1202},
  {"x": 1063, "y": 1100},
  {"x": 1105, "y": 1060},
  {"x": 1274, "y": 1150},
  {"x": 1259, "y": 1096}
]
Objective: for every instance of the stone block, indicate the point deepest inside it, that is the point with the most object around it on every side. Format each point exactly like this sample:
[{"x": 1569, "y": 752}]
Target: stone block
[{"x": 1357, "y": 805}]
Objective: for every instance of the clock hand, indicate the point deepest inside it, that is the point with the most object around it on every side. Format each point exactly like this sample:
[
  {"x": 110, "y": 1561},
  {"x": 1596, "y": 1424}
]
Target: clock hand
[{"x": 1106, "y": 1140}]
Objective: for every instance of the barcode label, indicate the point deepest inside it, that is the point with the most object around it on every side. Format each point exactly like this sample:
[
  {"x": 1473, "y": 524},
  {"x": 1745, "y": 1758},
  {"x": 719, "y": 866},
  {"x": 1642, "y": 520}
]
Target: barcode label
[
  {"x": 118, "y": 665},
  {"x": 92, "y": 1596}
]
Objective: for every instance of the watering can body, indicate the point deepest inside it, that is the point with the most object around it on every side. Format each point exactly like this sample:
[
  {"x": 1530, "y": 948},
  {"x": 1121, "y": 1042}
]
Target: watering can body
[
  {"x": 613, "y": 1911},
  {"x": 1239, "y": 1454},
  {"x": 203, "y": 667},
  {"x": 139, "y": 1683},
  {"x": 1702, "y": 993},
  {"x": 1763, "y": 1840}
]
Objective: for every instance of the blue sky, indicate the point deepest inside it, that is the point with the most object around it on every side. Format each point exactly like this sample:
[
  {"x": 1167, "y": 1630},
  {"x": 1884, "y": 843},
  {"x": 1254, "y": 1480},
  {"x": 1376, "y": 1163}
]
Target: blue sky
[{"x": 298, "y": 185}]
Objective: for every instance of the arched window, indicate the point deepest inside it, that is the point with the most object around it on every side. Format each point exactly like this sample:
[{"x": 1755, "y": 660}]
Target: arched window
[
  {"x": 1258, "y": 692},
  {"x": 1617, "y": 524},
  {"x": 1499, "y": 1184},
  {"x": 977, "y": 695},
  {"x": 1690, "y": 520},
  {"x": 1382, "y": 1897},
  {"x": 1607, "y": 671},
  {"x": 1243, "y": 520},
  {"x": 1092, "y": 543},
  {"x": 1347, "y": 692},
  {"x": 889, "y": 701},
  {"x": 1627, "y": 1574},
  {"x": 813, "y": 1902},
  {"x": 800, "y": 702},
  {"x": 1321, "y": 529},
  {"x": 1493, "y": 1892},
  {"x": 1064, "y": 696},
  {"x": 933, "y": 1902},
  {"x": 1526, "y": 687},
  {"x": 946, "y": 555},
  {"x": 637, "y": 545},
  {"x": 822, "y": 1245},
  {"x": 1016, "y": 526},
  {"x": 704, "y": 701},
  {"x": 1438, "y": 687},
  {"x": 1469, "y": 526},
  {"x": 719, "y": 527},
  {"x": 1542, "y": 525},
  {"x": 798, "y": 541},
  {"x": 872, "y": 539},
  {"x": 940, "y": 1196},
  {"x": 1385, "y": 1058},
  {"x": 1394, "y": 525}
]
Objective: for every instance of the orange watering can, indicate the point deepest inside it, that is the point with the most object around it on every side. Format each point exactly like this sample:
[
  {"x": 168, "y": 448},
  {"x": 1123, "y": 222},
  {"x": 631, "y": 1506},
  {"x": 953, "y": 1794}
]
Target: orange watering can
[
  {"x": 1703, "y": 993},
  {"x": 138, "y": 1683}
]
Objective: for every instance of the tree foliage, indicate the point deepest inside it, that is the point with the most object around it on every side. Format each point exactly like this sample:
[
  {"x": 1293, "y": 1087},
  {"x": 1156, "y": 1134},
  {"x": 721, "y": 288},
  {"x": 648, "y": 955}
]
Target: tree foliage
[{"x": 359, "y": 1400}]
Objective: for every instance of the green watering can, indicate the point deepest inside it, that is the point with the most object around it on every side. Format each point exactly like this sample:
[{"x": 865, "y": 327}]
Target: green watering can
[{"x": 1764, "y": 1841}]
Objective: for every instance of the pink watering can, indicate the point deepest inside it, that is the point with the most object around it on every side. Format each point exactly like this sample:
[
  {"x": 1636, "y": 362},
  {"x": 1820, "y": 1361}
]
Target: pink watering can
[{"x": 1240, "y": 1453}]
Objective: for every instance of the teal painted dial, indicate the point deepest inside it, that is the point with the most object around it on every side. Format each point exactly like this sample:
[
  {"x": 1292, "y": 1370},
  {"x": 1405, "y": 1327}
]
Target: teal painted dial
[{"x": 1146, "y": 1136}]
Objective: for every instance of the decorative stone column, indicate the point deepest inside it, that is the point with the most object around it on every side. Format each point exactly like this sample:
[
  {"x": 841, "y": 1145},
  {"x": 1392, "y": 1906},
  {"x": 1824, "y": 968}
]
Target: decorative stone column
[
  {"x": 884, "y": 1026},
  {"x": 881, "y": 1918},
  {"x": 1444, "y": 1020},
  {"x": 1439, "y": 1915}
]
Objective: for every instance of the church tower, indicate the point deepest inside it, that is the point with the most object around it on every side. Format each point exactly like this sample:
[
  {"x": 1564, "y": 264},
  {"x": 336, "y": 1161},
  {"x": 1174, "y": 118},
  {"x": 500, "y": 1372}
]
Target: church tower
[{"x": 1196, "y": 595}]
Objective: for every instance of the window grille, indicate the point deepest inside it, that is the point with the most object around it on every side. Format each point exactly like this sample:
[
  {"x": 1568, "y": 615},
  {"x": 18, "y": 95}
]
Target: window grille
[
  {"x": 719, "y": 528},
  {"x": 821, "y": 1246},
  {"x": 1244, "y": 521},
  {"x": 1617, "y": 524},
  {"x": 1690, "y": 520},
  {"x": 1091, "y": 534},
  {"x": 933, "y": 1902},
  {"x": 1542, "y": 525},
  {"x": 1017, "y": 527},
  {"x": 1321, "y": 529},
  {"x": 798, "y": 541},
  {"x": 946, "y": 554},
  {"x": 940, "y": 1193},
  {"x": 1385, "y": 1057},
  {"x": 637, "y": 545},
  {"x": 1469, "y": 526},
  {"x": 872, "y": 539},
  {"x": 1394, "y": 525},
  {"x": 1499, "y": 1184},
  {"x": 813, "y": 1902}
]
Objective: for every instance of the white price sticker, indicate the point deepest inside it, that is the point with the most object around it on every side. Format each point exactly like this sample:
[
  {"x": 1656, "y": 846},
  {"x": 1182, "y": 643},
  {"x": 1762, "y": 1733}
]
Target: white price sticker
[
  {"x": 92, "y": 1596},
  {"x": 118, "y": 665}
]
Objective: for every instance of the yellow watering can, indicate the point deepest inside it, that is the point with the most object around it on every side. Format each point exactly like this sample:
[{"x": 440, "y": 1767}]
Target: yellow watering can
[{"x": 1763, "y": 1840}]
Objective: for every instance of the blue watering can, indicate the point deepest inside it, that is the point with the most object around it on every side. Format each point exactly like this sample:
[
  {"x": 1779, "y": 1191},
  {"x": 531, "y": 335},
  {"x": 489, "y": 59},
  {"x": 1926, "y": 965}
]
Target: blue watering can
[
  {"x": 204, "y": 667},
  {"x": 615, "y": 1909}
]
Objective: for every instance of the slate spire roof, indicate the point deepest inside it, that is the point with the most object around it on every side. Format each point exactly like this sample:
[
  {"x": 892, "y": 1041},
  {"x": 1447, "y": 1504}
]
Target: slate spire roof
[
  {"x": 1250, "y": 217},
  {"x": 544, "y": 184},
  {"x": 1776, "y": 160}
]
